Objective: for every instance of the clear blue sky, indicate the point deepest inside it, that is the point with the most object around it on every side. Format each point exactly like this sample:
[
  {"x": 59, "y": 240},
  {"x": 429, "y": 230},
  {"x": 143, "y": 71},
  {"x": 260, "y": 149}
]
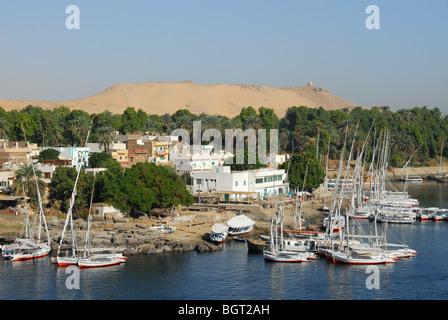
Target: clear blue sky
[{"x": 264, "y": 42}]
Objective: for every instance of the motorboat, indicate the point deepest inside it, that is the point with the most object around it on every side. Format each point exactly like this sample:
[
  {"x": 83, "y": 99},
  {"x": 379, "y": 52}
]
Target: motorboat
[
  {"x": 219, "y": 232},
  {"x": 240, "y": 225}
]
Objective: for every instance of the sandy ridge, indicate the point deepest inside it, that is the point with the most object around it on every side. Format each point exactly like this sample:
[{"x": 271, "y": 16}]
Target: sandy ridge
[{"x": 168, "y": 97}]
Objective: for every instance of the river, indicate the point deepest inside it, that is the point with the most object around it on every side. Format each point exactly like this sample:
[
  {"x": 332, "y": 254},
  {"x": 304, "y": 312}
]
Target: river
[{"x": 235, "y": 273}]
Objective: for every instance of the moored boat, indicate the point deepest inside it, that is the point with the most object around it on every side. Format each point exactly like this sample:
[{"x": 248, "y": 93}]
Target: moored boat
[
  {"x": 286, "y": 256},
  {"x": 219, "y": 232},
  {"x": 98, "y": 261},
  {"x": 240, "y": 225}
]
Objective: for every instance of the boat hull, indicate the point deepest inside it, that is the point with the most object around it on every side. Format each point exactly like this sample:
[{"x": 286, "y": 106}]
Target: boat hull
[
  {"x": 343, "y": 258},
  {"x": 285, "y": 257},
  {"x": 96, "y": 263},
  {"x": 28, "y": 256},
  {"x": 67, "y": 261}
]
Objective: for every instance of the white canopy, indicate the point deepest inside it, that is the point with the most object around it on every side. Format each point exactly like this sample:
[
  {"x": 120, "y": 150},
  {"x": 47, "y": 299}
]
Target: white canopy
[
  {"x": 219, "y": 228},
  {"x": 240, "y": 221}
]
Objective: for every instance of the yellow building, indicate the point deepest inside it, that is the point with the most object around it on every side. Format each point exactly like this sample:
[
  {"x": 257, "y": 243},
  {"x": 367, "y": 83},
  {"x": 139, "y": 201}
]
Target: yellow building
[
  {"x": 121, "y": 156},
  {"x": 159, "y": 151}
]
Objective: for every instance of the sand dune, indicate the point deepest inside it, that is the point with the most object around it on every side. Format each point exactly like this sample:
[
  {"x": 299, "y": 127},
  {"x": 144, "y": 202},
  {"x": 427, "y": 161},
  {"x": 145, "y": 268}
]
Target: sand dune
[{"x": 168, "y": 97}]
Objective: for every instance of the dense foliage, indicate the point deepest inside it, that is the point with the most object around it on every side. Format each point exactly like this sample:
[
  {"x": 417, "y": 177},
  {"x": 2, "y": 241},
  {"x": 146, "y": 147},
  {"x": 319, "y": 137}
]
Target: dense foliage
[
  {"x": 61, "y": 188},
  {"x": 48, "y": 154},
  {"x": 304, "y": 170},
  {"x": 98, "y": 159},
  {"x": 140, "y": 188},
  {"x": 300, "y": 130},
  {"x": 299, "y": 127}
]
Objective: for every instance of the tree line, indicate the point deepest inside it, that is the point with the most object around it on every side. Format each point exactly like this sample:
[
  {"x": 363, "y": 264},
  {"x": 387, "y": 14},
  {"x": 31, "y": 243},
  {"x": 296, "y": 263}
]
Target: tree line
[{"x": 299, "y": 127}]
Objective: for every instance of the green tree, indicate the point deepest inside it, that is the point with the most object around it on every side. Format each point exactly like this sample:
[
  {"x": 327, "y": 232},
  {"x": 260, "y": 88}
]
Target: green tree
[
  {"x": 140, "y": 188},
  {"x": 99, "y": 159},
  {"x": 61, "y": 188},
  {"x": 48, "y": 154},
  {"x": 24, "y": 179},
  {"x": 298, "y": 165}
]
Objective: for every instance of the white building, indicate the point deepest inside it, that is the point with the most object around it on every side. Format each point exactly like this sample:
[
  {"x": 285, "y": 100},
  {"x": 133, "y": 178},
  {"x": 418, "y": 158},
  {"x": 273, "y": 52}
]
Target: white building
[
  {"x": 6, "y": 180},
  {"x": 256, "y": 183},
  {"x": 202, "y": 161},
  {"x": 46, "y": 169},
  {"x": 77, "y": 155}
]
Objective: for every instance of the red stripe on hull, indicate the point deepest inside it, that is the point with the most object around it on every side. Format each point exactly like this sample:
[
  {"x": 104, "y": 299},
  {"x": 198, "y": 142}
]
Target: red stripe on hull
[
  {"x": 29, "y": 258},
  {"x": 99, "y": 265}
]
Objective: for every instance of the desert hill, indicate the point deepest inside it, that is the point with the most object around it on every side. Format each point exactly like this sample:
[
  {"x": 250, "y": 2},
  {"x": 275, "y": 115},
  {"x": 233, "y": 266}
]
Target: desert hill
[{"x": 168, "y": 97}]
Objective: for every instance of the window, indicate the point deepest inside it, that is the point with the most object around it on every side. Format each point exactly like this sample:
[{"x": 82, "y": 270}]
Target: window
[
  {"x": 259, "y": 180},
  {"x": 199, "y": 181},
  {"x": 236, "y": 183},
  {"x": 244, "y": 182}
]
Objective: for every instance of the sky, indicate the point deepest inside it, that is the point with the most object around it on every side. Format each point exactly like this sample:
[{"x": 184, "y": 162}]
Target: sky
[{"x": 282, "y": 43}]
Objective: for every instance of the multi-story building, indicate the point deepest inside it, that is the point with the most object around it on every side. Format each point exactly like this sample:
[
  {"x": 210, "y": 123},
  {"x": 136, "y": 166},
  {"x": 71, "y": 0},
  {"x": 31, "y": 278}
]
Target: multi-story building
[
  {"x": 148, "y": 151},
  {"x": 77, "y": 155},
  {"x": 6, "y": 180},
  {"x": 240, "y": 184},
  {"x": 202, "y": 161},
  {"x": 17, "y": 152}
]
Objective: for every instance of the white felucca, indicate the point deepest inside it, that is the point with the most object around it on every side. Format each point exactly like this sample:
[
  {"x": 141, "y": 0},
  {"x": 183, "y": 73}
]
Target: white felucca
[
  {"x": 100, "y": 257},
  {"x": 71, "y": 256},
  {"x": 31, "y": 246}
]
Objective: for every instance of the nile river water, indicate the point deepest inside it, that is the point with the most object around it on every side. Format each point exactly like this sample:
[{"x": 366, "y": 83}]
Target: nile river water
[{"x": 238, "y": 274}]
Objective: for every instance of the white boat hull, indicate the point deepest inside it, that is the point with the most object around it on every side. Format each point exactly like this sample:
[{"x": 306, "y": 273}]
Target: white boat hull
[
  {"x": 30, "y": 254},
  {"x": 341, "y": 257},
  {"x": 286, "y": 256},
  {"x": 96, "y": 262}
]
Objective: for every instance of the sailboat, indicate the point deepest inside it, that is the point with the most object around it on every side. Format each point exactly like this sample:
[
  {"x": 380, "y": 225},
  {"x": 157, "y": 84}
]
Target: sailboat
[
  {"x": 31, "y": 246},
  {"x": 276, "y": 251},
  {"x": 71, "y": 256},
  {"x": 92, "y": 258},
  {"x": 359, "y": 248}
]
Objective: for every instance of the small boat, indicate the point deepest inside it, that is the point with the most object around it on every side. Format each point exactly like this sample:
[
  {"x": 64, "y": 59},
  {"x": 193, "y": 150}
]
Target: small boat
[
  {"x": 219, "y": 232},
  {"x": 240, "y": 225},
  {"x": 362, "y": 258},
  {"x": 98, "y": 261},
  {"x": 286, "y": 256},
  {"x": 440, "y": 215},
  {"x": 363, "y": 213},
  {"x": 164, "y": 229},
  {"x": 257, "y": 245},
  {"x": 67, "y": 261},
  {"x": 27, "y": 252},
  {"x": 414, "y": 179},
  {"x": 396, "y": 218}
]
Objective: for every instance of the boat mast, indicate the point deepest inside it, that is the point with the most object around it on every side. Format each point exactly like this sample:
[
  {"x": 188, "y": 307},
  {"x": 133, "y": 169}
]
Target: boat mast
[
  {"x": 72, "y": 202},
  {"x": 441, "y": 157},
  {"x": 39, "y": 199}
]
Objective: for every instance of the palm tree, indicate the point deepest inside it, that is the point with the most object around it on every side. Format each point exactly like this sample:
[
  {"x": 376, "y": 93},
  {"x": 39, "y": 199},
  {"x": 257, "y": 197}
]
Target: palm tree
[
  {"x": 151, "y": 126},
  {"x": 25, "y": 175},
  {"x": 3, "y": 128},
  {"x": 253, "y": 122},
  {"x": 106, "y": 136},
  {"x": 79, "y": 127}
]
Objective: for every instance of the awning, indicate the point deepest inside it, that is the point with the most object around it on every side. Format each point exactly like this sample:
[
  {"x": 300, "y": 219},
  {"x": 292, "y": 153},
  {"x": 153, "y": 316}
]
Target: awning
[{"x": 10, "y": 198}]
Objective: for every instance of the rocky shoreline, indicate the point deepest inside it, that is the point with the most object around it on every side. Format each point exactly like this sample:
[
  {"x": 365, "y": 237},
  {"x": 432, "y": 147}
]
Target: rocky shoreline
[{"x": 141, "y": 236}]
